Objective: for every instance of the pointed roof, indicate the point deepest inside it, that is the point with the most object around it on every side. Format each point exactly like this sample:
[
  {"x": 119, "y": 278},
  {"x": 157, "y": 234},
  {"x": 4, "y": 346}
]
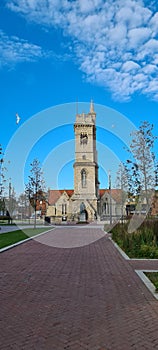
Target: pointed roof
[
  {"x": 92, "y": 107},
  {"x": 116, "y": 194},
  {"x": 54, "y": 195}
]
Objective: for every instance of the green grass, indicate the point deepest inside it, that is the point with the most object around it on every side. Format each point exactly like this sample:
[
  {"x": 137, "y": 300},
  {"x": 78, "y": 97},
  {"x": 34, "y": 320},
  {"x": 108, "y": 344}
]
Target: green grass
[
  {"x": 153, "y": 277},
  {"x": 5, "y": 223},
  {"x": 10, "y": 238}
]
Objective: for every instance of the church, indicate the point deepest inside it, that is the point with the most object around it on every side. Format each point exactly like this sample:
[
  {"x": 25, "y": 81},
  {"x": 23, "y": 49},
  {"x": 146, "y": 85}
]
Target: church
[{"x": 86, "y": 202}]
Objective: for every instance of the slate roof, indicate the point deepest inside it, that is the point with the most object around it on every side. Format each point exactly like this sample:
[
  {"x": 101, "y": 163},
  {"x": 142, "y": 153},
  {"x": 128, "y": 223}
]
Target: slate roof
[
  {"x": 116, "y": 194},
  {"x": 54, "y": 195}
]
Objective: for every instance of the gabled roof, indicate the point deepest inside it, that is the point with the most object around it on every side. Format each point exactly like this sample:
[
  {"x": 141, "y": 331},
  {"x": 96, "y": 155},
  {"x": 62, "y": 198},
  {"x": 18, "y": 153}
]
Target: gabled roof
[
  {"x": 54, "y": 195},
  {"x": 116, "y": 194},
  {"x": 101, "y": 192}
]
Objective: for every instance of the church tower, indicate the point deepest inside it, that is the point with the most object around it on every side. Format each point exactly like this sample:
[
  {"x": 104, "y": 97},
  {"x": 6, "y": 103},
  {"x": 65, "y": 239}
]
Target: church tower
[{"x": 86, "y": 185}]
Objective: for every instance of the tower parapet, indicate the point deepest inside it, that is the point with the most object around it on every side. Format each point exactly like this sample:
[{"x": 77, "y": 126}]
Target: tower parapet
[{"x": 86, "y": 118}]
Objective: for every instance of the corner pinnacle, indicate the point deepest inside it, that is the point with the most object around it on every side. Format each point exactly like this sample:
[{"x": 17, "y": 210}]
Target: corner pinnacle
[{"x": 92, "y": 107}]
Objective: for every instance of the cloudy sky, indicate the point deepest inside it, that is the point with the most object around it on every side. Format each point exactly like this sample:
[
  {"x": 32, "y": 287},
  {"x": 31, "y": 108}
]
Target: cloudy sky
[{"x": 58, "y": 51}]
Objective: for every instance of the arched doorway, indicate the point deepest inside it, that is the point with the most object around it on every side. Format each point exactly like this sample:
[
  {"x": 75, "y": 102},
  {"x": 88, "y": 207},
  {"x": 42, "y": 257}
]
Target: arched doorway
[{"x": 83, "y": 213}]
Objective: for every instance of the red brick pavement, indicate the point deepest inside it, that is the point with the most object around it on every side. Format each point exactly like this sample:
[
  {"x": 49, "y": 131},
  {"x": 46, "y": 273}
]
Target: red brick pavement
[{"x": 73, "y": 299}]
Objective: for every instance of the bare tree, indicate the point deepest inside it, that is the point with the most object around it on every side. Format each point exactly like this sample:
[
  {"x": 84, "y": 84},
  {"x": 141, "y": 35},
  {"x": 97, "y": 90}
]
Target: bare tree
[
  {"x": 23, "y": 205},
  {"x": 2, "y": 182},
  {"x": 2, "y": 204},
  {"x": 35, "y": 186},
  {"x": 156, "y": 175},
  {"x": 141, "y": 166}
]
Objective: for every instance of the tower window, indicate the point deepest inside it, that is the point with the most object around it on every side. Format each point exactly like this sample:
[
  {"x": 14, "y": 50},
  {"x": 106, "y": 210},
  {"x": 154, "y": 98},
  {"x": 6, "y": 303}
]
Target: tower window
[
  {"x": 83, "y": 138},
  {"x": 83, "y": 178},
  {"x": 84, "y": 156}
]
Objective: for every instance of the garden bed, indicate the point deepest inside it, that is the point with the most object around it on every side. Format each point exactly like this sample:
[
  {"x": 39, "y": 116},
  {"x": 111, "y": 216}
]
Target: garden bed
[
  {"x": 143, "y": 243},
  {"x": 153, "y": 277}
]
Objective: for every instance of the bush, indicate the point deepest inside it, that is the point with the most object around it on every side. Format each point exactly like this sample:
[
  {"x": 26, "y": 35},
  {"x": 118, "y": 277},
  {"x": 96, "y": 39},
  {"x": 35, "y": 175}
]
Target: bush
[
  {"x": 156, "y": 287},
  {"x": 153, "y": 277},
  {"x": 143, "y": 243}
]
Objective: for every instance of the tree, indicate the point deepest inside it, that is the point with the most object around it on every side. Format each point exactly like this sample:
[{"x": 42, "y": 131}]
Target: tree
[
  {"x": 1, "y": 171},
  {"x": 23, "y": 206},
  {"x": 2, "y": 183},
  {"x": 156, "y": 175},
  {"x": 35, "y": 186},
  {"x": 141, "y": 167},
  {"x": 12, "y": 205},
  {"x": 133, "y": 178},
  {"x": 123, "y": 185},
  {"x": 2, "y": 205}
]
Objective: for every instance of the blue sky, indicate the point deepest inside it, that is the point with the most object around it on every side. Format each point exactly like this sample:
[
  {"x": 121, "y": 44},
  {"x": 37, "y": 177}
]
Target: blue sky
[{"x": 56, "y": 51}]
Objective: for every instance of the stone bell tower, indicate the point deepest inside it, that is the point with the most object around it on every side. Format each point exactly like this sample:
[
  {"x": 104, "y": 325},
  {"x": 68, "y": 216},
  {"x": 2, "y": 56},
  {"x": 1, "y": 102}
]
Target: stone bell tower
[{"x": 86, "y": 183}]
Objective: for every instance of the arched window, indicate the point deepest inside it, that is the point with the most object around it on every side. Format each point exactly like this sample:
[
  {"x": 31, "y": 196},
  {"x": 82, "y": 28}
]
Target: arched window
[
  {"x": 83, "y": 178},
  {"x": 64, "y": 209},
  {"x": 106, "y": 207}
]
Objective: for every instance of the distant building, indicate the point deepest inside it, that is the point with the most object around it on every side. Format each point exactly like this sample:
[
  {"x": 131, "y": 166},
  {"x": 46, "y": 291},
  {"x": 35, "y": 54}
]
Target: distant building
[{"x": 154, "y": 208}]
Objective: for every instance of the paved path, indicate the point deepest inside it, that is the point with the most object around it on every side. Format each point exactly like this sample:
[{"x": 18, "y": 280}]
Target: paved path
[{"x": 75, "y": 299}]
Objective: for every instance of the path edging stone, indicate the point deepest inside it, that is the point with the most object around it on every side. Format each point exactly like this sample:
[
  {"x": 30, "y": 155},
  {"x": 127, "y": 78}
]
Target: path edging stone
[
  {"x": 147, "y": 281},
  {"x": 140, "y": 273}
]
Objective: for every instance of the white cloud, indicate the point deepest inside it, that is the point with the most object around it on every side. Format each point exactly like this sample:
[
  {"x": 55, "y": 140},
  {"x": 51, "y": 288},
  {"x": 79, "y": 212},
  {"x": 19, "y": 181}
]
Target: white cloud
[
  {"x": 130, "y": 66},
  {"x": 152, "y": 46},
  {"x": 137, "y": 36},
  {"x": 133, "y": 13},
  {"x": 13, "y": 50},
  {"x": 115, "y": 41},
  {"x": 148, "y": 51},
  {"x": 150, "y": 69},
  {"x": 153, "y": 87},
  {"x": 154, "y": 23},
  {"x": 118, "y": 33},
  {"x": 86, "y": 6},
  {"x": 155, "y": 59}
]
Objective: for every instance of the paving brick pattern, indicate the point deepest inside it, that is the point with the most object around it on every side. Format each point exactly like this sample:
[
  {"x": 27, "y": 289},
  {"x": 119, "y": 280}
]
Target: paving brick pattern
[{"x": 72, "y": 299}]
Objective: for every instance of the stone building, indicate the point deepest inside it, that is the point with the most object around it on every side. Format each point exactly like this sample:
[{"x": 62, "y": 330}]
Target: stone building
[
  {"x": 86, "y": 202},
  {"x": 154, "y": 210}
]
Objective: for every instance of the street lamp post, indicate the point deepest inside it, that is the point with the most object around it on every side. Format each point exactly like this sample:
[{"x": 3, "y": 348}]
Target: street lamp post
[
  {"x": 110, "y": 198},
  {"x": 41, "y": 209},
  {"x": 1, "y": 176},
  {"x": 10, "y": 207}
]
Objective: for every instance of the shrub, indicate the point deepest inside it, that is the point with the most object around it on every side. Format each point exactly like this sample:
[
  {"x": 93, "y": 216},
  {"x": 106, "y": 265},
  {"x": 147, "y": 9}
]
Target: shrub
[
  {"x": 141, "y": 243},
  {"x": 156, "y": 287}
]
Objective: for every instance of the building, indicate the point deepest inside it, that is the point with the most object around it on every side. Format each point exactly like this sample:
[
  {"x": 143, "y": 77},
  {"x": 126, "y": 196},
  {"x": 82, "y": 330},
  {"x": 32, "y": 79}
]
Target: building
[
  {"x": 86, "y": 202},
  {"x": 154, "y": 210}
]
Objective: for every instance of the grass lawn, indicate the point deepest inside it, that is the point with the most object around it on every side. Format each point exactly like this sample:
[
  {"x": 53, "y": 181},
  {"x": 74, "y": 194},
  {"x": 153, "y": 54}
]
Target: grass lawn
[
  {"x": 5, "y": 223},
  {"x": 153, "y": 277},
  {"x": 9, "y": 238}
]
